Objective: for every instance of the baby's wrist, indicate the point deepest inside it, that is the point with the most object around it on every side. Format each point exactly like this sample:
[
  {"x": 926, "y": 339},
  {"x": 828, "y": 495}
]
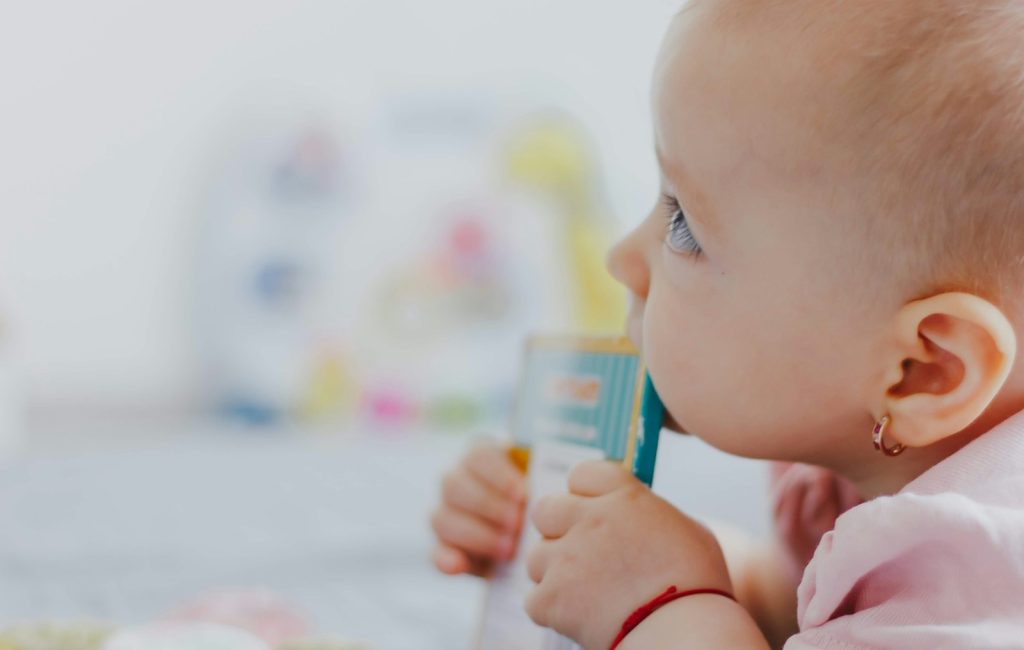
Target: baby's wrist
[{"x": 700, "y": 620}]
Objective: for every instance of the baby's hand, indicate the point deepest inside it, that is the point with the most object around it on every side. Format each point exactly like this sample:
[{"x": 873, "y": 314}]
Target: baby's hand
[
  {"x": 481, "y": 511},
  {"x": 611, "y": 546}
]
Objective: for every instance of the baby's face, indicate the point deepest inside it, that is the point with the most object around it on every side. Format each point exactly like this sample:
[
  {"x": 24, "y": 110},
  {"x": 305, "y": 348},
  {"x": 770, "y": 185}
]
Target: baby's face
[{"x": 750, "y": 303}]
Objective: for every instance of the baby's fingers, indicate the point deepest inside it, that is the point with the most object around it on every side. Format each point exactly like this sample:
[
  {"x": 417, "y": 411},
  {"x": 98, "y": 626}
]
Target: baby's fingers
[
  {"x": 555, "y": 514},
  {"x": 538, "y": 560},
  {"x": 453, "y": 561},
  {"x": 450, "y": 560},
  {"x": 465, "y": 491},
  {"x": 492, "y": 466},
  {"x": 471, "y": 535},
  {"x": 598, "y": 477}
]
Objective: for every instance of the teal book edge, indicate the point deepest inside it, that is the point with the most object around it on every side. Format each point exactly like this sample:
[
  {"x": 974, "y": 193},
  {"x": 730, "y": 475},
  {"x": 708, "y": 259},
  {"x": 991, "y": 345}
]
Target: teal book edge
[{"x": 652, "y": 417}]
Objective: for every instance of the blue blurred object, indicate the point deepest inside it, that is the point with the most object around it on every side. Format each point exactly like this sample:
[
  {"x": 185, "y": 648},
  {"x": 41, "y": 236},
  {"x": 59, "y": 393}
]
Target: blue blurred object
[{"x": 274, "y": 210}]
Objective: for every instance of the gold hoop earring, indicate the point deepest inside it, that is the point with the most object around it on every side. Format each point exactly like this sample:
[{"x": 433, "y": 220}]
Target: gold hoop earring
[{"x": 878, "y": 437}]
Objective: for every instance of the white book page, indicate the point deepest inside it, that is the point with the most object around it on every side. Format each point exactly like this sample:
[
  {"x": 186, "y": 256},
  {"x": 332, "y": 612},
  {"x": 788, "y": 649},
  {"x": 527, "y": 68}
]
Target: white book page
[{"x": 505, "y": 623}]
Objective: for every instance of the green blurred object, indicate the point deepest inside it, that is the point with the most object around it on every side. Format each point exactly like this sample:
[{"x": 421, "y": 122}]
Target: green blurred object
[
  {"x": 93, "y": 636},
  {"x": 56, "y": 636},
  {"x": 456, "y": 411}
]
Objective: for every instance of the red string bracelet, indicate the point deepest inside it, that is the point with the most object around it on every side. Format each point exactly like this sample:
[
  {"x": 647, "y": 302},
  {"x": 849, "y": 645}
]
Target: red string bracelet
[{"x": 670, "y": 594}]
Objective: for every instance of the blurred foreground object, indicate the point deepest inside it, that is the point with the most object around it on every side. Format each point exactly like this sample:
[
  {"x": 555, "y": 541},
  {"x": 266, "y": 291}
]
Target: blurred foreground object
[
  {"x": 223, "y": 620},
  {"x": 258, "y": 611},
  {"x": 184, "y": 636},
  {"x": 54, "y": 636}
]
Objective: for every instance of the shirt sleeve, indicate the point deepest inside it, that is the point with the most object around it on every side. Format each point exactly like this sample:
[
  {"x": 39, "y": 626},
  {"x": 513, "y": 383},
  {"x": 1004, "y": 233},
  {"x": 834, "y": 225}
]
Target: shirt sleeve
[{"x": 916, "y": 571}]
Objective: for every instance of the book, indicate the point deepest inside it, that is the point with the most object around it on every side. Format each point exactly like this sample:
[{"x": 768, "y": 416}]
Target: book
[{"x": 579, "y": 399}]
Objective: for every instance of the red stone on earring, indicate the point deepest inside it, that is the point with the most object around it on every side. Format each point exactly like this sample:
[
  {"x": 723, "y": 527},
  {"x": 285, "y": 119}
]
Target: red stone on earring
[{"x": 877, "y": 435}]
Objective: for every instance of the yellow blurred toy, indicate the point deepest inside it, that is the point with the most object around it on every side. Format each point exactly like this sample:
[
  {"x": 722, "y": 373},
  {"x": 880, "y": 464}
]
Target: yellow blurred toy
[{"x": 552, "y": 156}]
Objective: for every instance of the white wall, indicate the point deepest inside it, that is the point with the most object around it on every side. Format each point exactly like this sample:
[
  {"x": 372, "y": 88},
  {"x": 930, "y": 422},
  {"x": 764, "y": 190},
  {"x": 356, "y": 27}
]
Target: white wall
[{"x": 109, "y": 111}]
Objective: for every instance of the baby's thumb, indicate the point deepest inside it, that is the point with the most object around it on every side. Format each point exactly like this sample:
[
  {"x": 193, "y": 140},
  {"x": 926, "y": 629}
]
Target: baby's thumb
[{"x": 450, "y": 560}]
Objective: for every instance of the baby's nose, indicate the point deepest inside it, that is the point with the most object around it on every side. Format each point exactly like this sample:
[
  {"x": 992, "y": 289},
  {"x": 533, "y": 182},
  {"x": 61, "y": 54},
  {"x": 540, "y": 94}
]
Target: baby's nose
[{"x": 627, "y": 264}]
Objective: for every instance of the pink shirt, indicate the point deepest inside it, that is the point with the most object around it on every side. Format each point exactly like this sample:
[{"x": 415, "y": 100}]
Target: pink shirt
[{"x": 938, "y": 565}]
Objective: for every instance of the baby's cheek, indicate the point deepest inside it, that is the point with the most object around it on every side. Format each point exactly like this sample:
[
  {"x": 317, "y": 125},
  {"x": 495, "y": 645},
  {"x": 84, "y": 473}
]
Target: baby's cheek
[
  {"x": 709, "y": 370},
  {"x": 685, "y": 361}
]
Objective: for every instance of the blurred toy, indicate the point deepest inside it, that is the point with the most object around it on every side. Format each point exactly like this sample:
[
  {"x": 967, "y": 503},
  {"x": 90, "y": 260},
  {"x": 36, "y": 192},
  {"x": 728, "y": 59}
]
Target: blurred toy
[
  {"x": 457, "y": 411},
  {"x": 257, "y": 611},
  {"x": 436, "y": 327},
  {"x": 271, "y": 224},
  {"x": 224, "y": 620},
  {"x": 551, "y": 155},
  {"x": 458, "y": 286},
  {"x": 323, "y": 644},
  {"x": 183, "y": 636},
  {"x": 390, "y": 406},
  {"x": 332, "y": 389},
  {"x": 53, "y": 636},
  {"x": 405, "y": 311}
]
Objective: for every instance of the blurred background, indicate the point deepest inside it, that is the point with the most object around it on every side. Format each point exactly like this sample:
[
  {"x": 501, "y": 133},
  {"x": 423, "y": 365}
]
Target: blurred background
[{"x": 265, "y": 271}]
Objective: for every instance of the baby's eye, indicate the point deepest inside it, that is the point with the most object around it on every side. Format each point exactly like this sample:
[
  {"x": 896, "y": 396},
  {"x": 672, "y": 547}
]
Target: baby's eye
[{"x": 678, "y": 236}]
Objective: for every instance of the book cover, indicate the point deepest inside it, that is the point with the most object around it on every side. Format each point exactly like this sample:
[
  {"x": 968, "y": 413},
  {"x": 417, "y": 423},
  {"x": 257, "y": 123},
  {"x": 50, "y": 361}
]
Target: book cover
[{"x": 579, "y": 399}]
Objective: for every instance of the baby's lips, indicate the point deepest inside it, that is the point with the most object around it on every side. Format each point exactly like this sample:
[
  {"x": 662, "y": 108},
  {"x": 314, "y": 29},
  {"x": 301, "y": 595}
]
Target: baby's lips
[{"x": 672, "y": 424}]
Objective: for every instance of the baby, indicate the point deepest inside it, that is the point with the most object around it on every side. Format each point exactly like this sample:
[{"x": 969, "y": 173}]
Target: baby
[{"x": 833, "y": 277}]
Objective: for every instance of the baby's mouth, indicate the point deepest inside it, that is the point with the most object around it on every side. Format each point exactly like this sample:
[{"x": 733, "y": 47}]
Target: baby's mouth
[
  {"x": 670, "y": 423},
  {"x": 635, "y": 333}
]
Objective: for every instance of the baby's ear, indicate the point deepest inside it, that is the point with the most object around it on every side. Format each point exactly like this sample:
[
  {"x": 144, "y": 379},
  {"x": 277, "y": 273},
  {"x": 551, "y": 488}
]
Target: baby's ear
[{"x": 955, "y": 352}]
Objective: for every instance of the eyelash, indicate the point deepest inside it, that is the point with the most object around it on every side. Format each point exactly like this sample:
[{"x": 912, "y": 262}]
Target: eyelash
[{"x": 679, "y": 237}]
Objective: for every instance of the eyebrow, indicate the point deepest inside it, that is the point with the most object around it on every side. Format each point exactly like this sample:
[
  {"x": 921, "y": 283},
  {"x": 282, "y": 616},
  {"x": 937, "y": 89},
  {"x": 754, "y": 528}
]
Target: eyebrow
[{"x": 694, "y": 202}]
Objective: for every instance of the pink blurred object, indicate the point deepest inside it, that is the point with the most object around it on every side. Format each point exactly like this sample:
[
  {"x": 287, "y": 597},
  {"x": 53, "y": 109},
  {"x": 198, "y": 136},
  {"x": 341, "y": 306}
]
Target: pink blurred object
[
  {"x": 390, "y": 407},
  {"x": 257, "y": 611}
]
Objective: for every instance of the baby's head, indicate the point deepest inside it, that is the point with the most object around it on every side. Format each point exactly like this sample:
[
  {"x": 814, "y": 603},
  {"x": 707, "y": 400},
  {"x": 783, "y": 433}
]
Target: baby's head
[{"x": 851, "y": 239}]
